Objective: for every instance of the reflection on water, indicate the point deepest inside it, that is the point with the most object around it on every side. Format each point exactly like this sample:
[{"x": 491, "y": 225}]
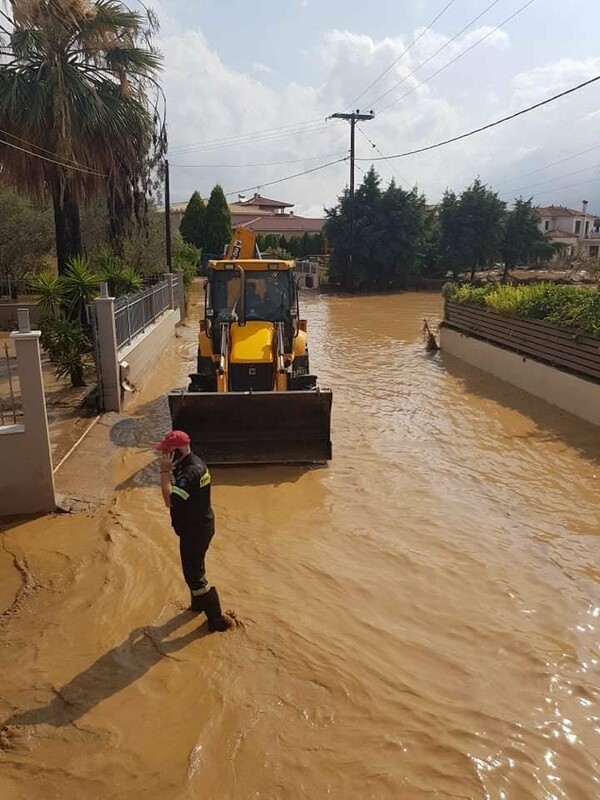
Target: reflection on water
[{"x": 421, "y": 616}]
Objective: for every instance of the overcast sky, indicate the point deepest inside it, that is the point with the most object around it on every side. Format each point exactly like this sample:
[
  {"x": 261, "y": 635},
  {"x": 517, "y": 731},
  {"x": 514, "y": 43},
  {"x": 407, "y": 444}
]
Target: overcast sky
[{"x": 234, "y": 68}]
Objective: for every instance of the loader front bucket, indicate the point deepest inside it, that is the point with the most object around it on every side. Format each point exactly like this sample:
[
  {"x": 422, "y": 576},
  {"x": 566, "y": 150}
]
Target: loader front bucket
[{"x": 256, "y": 427}]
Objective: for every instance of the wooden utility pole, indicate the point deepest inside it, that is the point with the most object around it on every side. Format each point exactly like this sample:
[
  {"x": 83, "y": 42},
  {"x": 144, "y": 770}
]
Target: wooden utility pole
[
  {"x": 168, "y": 218},
  {"x": 353, "y": 118}
]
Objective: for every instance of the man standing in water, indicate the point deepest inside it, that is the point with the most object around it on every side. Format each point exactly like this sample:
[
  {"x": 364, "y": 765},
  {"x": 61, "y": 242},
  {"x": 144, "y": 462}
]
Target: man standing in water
[{"x": 185, "y": 486}]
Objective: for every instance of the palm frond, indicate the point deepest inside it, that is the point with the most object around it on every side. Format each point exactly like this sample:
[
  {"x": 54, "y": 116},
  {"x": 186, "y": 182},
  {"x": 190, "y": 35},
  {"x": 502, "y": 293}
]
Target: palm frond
[{"x": 75, "y": 82}]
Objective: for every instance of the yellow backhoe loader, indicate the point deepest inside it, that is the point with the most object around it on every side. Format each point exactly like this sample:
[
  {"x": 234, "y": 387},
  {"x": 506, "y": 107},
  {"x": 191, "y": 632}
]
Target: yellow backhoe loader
[{"x": 253, "y": 399}]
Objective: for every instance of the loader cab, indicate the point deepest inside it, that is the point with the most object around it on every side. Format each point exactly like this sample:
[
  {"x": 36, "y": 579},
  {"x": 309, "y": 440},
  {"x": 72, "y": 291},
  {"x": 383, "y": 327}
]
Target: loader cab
[{"x": 251, "y": 291}]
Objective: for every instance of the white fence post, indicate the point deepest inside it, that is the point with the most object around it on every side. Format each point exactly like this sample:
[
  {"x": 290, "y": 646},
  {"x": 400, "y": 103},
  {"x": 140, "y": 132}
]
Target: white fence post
[
  {"x": 168, "y": 276},
  {"x": 107, "y": 349},
  {"x": 37, "y": 494},
  {"x": 181, "y": 293}
]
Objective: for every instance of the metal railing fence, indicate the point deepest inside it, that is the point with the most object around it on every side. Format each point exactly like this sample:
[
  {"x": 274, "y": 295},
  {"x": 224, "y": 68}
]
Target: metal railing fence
[
  {"x": 11, "y": 410},
  {"x": 133, "y": 313},
  {"x": 13, "y": 288}
]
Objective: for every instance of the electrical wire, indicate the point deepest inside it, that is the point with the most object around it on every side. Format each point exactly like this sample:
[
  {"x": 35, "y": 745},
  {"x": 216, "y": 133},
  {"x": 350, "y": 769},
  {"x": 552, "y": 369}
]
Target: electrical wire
[
  {"x": 52, "y": 160},
  {"x": 396, "y": 173},
  {"x": 273, "y": 136},
  {"x": 288, "y": 177},
  {"x": 239, "y": 138},
  {"x": 402, "y": 54},
  {"x": 437, "y": 52},
  {"x": 460, "y": 55},
  {"x": 245, "y": 135},
  {"x": 548, "y": 166},
  {"x": 568, "y": 186},
  {"x": 551, "y": 180},
  {"x": 491, "y": 124},
  {"x": 267, "y": 164},
  {"x": 43, "y": 149}
]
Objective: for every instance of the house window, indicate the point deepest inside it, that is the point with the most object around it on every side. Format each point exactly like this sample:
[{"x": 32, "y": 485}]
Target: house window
[
  {"x": 547, "y": 225},
  {"x": 587, "y": 227},
  {"x": 577, "y": 227},
  {"x": 594, "y": 251}
]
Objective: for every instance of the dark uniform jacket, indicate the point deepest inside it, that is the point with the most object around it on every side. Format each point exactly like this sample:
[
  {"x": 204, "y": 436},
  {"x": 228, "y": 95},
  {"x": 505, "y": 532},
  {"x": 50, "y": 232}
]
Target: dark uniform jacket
[{"x": 190, "y": 496}]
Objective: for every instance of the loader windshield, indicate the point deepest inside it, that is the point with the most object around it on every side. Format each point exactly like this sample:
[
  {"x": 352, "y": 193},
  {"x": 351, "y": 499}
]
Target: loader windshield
[{"x": 269, "y": 295}]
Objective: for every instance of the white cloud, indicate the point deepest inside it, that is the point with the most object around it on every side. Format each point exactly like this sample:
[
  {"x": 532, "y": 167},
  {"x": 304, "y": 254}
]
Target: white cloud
[
  {"x": 259, "y": 67},
  {"x": 592, "y": 116},
  {"x": 209, "y": 100},
  {"x": 535, "y": 85}
]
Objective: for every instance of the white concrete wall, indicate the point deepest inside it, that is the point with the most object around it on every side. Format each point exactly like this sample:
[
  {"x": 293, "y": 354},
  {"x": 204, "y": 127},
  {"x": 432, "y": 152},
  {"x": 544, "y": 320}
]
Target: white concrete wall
[
  {"x": 563, "y": 223},
  {"x": 26, "y": 479},
  {"x": 143, "y": 353},
  {"x": 576, "y": 395}
]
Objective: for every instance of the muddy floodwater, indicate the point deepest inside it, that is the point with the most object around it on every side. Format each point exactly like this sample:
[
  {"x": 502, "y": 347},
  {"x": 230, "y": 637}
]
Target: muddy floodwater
[{"x": 421, "y": 617}]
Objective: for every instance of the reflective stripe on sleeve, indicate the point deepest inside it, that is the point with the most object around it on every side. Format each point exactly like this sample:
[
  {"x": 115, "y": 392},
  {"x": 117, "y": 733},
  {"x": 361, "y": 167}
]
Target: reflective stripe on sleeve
[
  {"x": 180, "y": 492},
  {"x": 205, "y": 479}
]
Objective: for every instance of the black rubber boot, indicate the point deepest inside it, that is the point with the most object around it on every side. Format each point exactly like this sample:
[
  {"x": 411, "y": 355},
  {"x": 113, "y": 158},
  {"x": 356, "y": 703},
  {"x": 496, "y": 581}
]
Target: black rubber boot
[
  {"x": 197, "y": 603},
  {"x": 212, "y": 609}
]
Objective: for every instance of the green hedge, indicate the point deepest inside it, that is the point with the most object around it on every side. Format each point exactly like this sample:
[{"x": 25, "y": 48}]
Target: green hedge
[{"x": 566, "y": 306}]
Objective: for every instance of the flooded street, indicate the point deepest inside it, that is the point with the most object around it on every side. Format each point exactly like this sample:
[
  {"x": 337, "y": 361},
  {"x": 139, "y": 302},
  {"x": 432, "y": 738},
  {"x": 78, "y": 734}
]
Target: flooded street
[{"x": 421, "y": 616}]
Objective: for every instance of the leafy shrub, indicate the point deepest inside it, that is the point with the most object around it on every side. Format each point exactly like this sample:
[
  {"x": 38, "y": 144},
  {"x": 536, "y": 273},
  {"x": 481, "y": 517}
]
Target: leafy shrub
[
  {"x": 122, "y": 279},
  {"x": 66, "y": 344},
  {"x": 574, "y": 307},
  {"x": 186, "y": 258}
]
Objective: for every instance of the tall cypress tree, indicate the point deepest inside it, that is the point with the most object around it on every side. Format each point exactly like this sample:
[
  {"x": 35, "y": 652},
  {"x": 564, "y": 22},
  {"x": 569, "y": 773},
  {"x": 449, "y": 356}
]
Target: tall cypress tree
[
  {"x": 217, "y": 222},
  {"x": 192, "y": 227},
  {"x": 524, "y": 242}
]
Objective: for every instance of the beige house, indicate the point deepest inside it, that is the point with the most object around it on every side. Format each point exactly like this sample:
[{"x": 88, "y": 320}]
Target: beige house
[
  {"x": 263, "y": 216},
  {"x": 577, "y": 231}
]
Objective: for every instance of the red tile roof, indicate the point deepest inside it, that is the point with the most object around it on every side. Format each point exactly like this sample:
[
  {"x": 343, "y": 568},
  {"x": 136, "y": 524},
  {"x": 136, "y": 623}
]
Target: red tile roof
[
  {"x": 279, "y": 223},
  {"x": 560, "y": 211},
  {"x": 257, "y": 200},
  {"x": 556, "y": 233}
]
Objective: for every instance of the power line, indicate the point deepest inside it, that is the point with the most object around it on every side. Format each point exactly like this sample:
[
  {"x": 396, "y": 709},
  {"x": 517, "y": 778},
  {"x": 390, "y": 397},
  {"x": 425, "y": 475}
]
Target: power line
[
  {"x": 548, "y": 166},
  {"x": 241, "y": 136},
  {"x": 551, "y": 180},
  {"x": 568, "y": 186},
  {"x": 288, "y": 177},
  {"x": 402, "y": 54},
  {"x": 249, "y": 133},
  {"x": 461, "y": 55},
  {"x": 43, "y": 149},
  {"x": 264, "y": 138},
  {"x": 490, "y": 125},
  {"x": 267, "y": 164},
  {"x": 52, "y": 160},
  {"x": 374, "y": 146},
  {"x": 437, "y": 52}
]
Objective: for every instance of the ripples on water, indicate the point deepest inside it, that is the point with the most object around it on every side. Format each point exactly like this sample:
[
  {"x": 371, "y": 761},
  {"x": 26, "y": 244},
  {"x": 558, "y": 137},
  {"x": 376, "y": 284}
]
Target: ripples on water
[
  {"x": 422, "y": 615},
  {"x": 478, "y": 513}
]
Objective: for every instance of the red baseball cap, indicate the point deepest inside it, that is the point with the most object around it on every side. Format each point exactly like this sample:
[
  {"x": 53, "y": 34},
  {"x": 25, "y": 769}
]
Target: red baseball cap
[{"x": 172, "y": 441}]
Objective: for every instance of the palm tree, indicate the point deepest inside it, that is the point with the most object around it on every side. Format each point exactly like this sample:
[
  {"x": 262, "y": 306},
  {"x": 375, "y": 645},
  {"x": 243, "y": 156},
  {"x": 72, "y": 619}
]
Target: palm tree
[
  {"x": 81, "y": 285},
  {"x": 51, "y": 293},
  {"x": 74, "y": 90}
]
